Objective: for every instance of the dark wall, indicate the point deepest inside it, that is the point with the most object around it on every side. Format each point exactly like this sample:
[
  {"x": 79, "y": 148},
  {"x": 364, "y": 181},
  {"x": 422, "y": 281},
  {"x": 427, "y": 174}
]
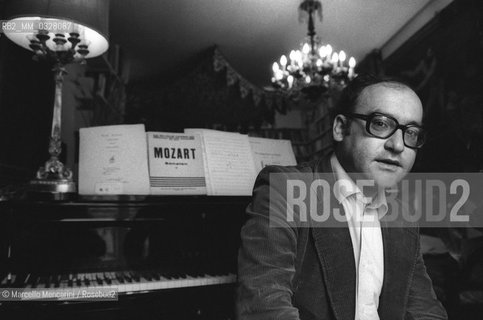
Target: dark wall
[
  {"x": 197, "y": 96},
  {"x": 444, "y": 64},
  {"x": 26, "y": 100}
]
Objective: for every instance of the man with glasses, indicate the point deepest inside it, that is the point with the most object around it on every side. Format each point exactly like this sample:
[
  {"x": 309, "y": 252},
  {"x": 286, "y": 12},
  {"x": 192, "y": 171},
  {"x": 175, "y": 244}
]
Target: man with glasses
[{"x": 291, "y": 271}]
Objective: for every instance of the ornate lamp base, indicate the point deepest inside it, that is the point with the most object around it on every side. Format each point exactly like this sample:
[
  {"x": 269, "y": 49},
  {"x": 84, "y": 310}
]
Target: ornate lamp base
[
  {"x": 54, "y": 177},
  {"x": 53, "y": 186}
]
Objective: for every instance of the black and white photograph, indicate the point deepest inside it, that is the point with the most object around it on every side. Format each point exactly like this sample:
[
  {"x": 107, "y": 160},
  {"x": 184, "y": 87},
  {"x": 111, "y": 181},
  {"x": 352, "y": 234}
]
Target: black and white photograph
[{"x": 241, "y": 159}]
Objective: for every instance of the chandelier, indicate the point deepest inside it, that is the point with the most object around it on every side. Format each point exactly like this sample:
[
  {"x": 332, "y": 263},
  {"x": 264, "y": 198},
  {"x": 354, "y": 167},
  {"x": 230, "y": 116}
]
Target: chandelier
[{"x": 316, "y": 68}]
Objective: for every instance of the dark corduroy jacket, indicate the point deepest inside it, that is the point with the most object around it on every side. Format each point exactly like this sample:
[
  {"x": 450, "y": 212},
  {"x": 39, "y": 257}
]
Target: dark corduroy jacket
[{"x": 299, "y": 272}]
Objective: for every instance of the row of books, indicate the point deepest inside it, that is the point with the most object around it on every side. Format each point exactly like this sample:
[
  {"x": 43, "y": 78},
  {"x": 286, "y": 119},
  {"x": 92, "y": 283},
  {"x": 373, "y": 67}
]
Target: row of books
[
  {"x": 294, "y": 135},
  {"x": 125, "y": 159},
  {"x": 319, "y": 127}
]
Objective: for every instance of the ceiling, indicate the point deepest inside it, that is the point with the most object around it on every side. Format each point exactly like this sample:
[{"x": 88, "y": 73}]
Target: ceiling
[{"x": 159, "y": 36}]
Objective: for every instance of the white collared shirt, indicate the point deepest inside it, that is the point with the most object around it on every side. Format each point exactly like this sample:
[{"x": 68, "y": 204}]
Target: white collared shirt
[{"x": 365, "y": 230}]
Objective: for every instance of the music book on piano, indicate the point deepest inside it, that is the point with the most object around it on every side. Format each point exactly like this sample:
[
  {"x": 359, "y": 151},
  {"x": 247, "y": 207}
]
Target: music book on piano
[
  {"x": 113, "y": 160},
  {"x": 232, "y": 160},
  {"x": 271, "y": 152},
  {"x": 175, "y": 163},
  {"x": 228, "y": 162},
  {"x": 124, "y": 159}
]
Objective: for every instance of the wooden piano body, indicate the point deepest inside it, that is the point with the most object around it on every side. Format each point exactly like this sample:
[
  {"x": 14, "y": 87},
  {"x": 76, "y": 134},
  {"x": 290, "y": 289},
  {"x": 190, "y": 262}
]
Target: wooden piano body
[{"x": 168, "y": 257}]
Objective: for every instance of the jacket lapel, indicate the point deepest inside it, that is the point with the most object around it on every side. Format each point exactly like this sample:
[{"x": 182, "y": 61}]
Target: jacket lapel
[
  {"x": 399, "y": 255},
  {"x": 336, "y": 256}
]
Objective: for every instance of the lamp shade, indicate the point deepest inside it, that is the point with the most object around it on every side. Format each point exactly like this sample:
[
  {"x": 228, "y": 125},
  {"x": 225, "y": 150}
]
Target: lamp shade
[{"x": 88, "y": 18}]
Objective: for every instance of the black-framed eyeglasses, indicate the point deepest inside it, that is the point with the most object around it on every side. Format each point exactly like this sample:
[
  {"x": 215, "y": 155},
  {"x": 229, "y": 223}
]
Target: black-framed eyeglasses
[{"x": 383, "y": 126}]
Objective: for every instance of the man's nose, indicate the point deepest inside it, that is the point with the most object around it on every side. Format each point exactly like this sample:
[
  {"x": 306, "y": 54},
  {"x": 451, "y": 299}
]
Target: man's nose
[{"x": 395, "y": 142}]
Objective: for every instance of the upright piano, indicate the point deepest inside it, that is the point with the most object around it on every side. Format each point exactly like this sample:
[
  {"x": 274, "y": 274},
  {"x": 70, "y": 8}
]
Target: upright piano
[{"x": 169, "y": 257}]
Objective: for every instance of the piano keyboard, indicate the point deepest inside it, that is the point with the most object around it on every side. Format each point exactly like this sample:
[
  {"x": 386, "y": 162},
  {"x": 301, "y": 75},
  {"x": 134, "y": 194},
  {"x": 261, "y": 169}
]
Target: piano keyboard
[{"x": 127, "y": 282}]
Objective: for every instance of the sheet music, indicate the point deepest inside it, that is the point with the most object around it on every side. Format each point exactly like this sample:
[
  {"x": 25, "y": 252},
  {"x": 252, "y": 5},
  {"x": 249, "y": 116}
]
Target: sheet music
[
  {"x": 229, "y": 163},
  {"x": 113, "y": 160},
  {"x": 272, "y": 152},
  {"x": 175, "y": 163}
]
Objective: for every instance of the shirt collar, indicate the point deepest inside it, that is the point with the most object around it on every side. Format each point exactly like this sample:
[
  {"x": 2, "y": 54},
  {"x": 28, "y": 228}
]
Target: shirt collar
[{"x": 348, "y": 188}]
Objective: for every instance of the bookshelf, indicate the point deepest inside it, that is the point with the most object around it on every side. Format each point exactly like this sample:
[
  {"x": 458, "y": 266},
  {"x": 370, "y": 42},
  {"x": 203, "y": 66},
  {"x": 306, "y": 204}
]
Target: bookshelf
[
  {"x": 110, "y": 77},
  {"x": 313, "y": 139},
  {"x": 319, "y": 129},
  {"x": 298, "y": 137}
]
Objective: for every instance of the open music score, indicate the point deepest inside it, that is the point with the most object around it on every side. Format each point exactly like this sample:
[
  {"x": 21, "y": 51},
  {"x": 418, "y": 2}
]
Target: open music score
[{"x": 126, "y": 282}]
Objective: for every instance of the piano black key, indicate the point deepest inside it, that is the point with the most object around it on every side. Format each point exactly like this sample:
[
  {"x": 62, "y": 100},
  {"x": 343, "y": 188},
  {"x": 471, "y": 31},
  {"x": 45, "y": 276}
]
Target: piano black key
[
  {"x": 56, "y": 280},
  {"x": 27, "y": 280},
  {"x": 120, "y": 277},
  {"x": 78, "y": 281},
  {"x": 84, "y": 281},
  {"x": 42, "y": 281},
  {"x": 61, "y": 280},
  {"x": 107, "y": 278},
  {"x": 35, "y": 281},
  {"x": 127, "y": 277},
  {"x": 167, "y": 276},
  {"x": 147, "y": 275},
  {"x": 18, "y": 280},
  {"x": 181, "y": 275},
  {"x": 7, "y": 280},
  {"x": 100, "y": 278},
  {"x": 135, "y": 276},
  {"x": 155, "y": 276},
  {"x": 90, "y": 279},
  {"x": 10, "y": 279},
  {"x": 71, "y": 280}
]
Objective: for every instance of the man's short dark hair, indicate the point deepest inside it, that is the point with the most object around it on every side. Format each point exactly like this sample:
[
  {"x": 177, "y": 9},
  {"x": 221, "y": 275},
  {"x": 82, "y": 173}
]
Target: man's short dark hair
[{"x": 350, "y": 95}]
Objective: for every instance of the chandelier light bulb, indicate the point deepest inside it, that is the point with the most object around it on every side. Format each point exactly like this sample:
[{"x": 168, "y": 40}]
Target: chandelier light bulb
[
  {"x": 290, "y": 81},
  {"x": 292, "y": 56},
  {"x": 275, "y": 67},
  {"x": 283, "y": 61},
  {"x": 319, "y": 63},
  {"x": 298, "y": 55},
  {"x": 307, "y": 79},
  {"x": 322, "y": 52},
  {"x": 306, "y": 48},
  {"x": 352, "y": 62},
  {"x": 335, "y": 58},
  {"x": 328, "y": 51},
  {"x": 279, "y": 75},
  {"x": 298, "y": 58},
  {"x": 342, "y": 56}
]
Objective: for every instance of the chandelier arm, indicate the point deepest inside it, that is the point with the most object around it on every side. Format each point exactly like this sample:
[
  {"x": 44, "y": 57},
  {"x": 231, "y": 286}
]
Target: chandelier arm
[{"x": 311, "y": 32}]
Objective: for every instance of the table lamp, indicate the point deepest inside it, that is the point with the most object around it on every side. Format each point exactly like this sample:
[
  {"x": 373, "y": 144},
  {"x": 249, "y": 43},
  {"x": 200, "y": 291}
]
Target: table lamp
[{"x": 60, "y": 32}]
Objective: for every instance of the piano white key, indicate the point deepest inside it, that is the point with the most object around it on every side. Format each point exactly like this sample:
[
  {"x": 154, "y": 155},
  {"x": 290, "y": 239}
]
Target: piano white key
[
  {"x": 191, "y": 281},
  {"x": 13, "y": 277},
  {"x": 146, "y": 284},
  {"x": 26, "y": 280}
]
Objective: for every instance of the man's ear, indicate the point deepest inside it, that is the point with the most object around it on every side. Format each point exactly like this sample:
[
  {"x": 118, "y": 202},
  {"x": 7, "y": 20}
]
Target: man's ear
[{"x": 340, "y": 127}]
